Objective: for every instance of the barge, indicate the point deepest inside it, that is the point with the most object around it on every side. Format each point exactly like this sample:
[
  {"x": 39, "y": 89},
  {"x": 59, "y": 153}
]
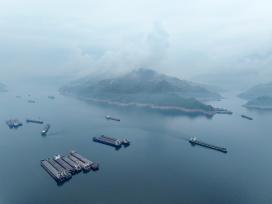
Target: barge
[
  {"x": 111, "y": 141},
  {"x": 93, "y": 165},
  {"x": 194, "y": 141},
  {"x": 54, "y": 173},
  {"x": 246, "y": 117},
  {"x": 85, "y": 167},
  {"x": 65, "y": 165},
  {"x": 34, "y": 121},
  {"x": 73, "y": 164},
  {"x": 62, "y": 168},
  {"x": 67, "y": 175},
  {"x": 108, "y": 117},
  {"x": 45, "y": 130}
]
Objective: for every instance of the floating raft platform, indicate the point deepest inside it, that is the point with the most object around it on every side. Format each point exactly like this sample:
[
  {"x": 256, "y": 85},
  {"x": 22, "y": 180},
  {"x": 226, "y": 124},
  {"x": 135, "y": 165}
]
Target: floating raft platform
[
  {"x": 108, "y": 117},
  {"x": 246, "y": 117},
  {"x": 194, "y": 141},
  {"x": 34, "y": 121},
  {"x": 111, "y": 141}
]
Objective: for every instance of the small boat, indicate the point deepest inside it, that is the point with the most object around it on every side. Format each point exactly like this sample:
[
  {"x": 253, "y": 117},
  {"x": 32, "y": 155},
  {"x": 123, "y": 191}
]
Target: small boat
[
  {"x": 246, "y": 117},
  {"x": 108, "y": 117},
  {"x": 45, "y": 130}
]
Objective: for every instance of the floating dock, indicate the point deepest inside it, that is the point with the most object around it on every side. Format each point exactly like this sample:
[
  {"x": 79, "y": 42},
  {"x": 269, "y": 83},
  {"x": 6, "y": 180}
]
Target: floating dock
[
  {"x": 45, "y": 130},
  {"x": 246, "y": 117},
  {"x": 54, "y": 173},
  {"x": 194, "y": 141},
  {"x": 108, "y": 117},
  {"x": 111, "y": 141},
  {"x": 59, "y": 168},
  {"x": 64, "y": 164},
  {"x": 14, "y": 123},
  {"x": 34, "y": 121}
]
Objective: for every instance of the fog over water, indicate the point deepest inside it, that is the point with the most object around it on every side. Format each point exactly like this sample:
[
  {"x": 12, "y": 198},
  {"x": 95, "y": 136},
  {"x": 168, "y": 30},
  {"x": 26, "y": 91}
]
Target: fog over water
[
  {"x": 52, "y": 57},
  {"x": 226, "y": 42}
]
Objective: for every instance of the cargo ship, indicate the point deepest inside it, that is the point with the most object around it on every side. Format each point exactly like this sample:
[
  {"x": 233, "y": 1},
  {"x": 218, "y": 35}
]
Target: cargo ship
[
  {"x": 111, "y": 141},
  {"x": 65, "y": 165},
  {"x": 34, "y": 121},
  {"x": 246, "y": 117},
  {"x": 194, "y": 141}
]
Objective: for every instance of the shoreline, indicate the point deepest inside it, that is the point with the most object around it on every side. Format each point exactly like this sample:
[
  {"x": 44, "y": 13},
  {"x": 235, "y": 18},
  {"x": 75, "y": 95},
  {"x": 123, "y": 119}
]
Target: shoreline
[
  {"x": 143, "y": 105},
  {"x": 257, "y": 107}
]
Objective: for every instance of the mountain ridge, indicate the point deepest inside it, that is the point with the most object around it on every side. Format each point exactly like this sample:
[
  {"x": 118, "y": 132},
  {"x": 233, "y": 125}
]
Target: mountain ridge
[{"x": 144, "y": 87}]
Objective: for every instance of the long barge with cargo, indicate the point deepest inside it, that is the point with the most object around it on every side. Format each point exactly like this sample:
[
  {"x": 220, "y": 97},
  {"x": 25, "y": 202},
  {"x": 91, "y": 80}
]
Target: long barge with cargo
[
  {"x": 84, "y": 162},
  {"x": 61, "y": 168},
  {"x": 34, "y": 121},
  {"x": 111, "y": 141},
  {"x": 194, "y": 141}
]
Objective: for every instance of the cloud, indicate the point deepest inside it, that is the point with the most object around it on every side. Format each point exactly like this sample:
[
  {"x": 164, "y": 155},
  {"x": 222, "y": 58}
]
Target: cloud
[{"x": 182, "y": 38}]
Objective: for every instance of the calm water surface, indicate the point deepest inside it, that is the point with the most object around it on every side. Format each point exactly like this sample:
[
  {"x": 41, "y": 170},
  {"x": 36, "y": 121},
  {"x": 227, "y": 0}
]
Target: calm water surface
[{"x": 159, "y": 166}]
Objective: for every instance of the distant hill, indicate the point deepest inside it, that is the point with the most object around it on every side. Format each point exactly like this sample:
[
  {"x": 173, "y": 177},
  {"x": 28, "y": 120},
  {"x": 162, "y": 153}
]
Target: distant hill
[
  {"x": 144, "y": 87},
  {"x": 263, "y": 102},
  {"x": 3, "y": 88},
  {"x": 258, "y": 91}
]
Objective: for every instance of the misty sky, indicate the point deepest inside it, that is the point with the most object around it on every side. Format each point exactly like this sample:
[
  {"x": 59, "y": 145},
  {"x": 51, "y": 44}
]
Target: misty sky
[{"x": 193, "y": 39}]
